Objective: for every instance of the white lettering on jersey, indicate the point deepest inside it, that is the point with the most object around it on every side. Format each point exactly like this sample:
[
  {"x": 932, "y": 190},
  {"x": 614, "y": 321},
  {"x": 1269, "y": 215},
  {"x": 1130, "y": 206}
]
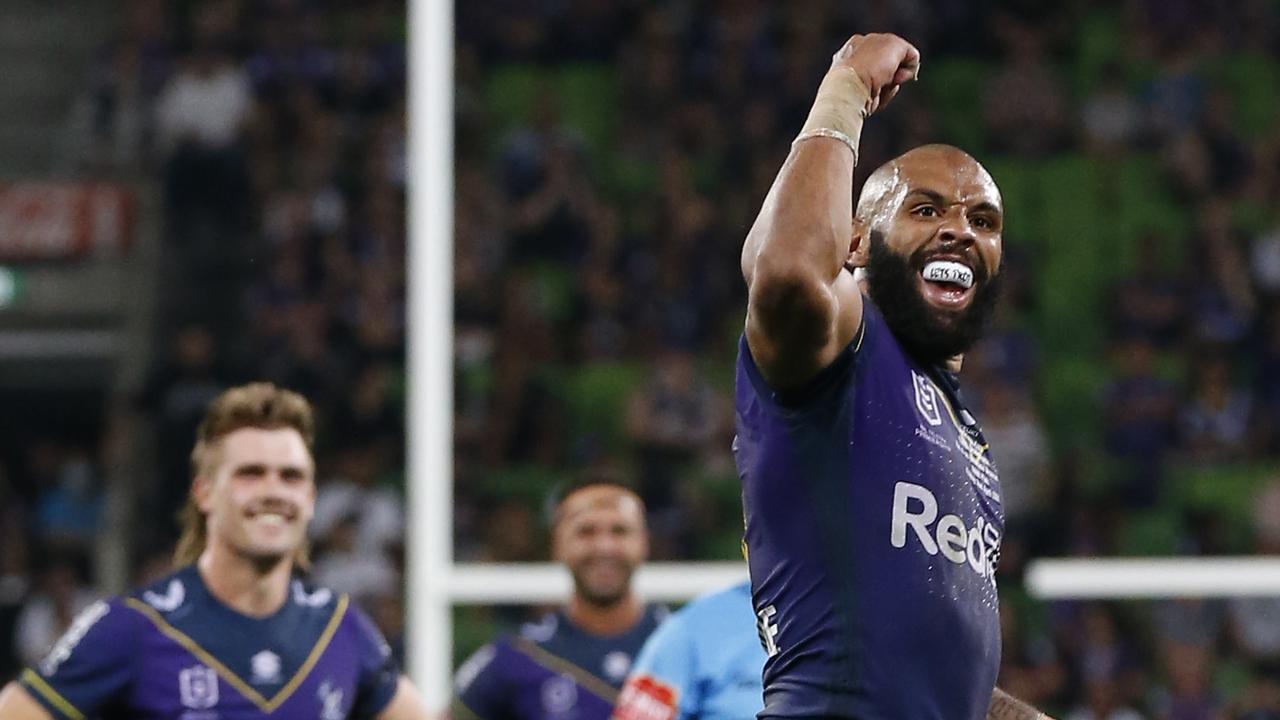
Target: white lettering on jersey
[
  {"x": 62, "y": 649},
  {"x": 977, "y": 546},
  {"x": 767, "y": 629}
]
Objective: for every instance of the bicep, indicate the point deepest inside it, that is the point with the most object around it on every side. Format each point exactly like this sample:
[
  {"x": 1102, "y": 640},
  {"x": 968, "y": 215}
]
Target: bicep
[
  {"x": 795, "y": 330},
  {"x": 16, "y": 703}
]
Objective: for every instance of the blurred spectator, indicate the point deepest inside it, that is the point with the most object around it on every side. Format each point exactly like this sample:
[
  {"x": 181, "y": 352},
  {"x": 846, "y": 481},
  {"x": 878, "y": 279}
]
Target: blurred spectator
[
  {"x": 1151, "y": 303},
  {"x": 1223, "y": 306},
  {"x": 342, "y": 567},
  {"x": 61, "y": 595},
  {"x": 1021, "y": 449},
  {"x": 1139, "y": 413},
  {"x": 1025, "y": 102},
  {"x": 1029, "y": 662},
  {"x": 1255, "y": 621},
  {"x": 178, "y": 389},
  {"x": 1216, "y": 419},
  {"x": 1188, "y": 693},
  {"x": 356, "y": 496},
  {"x": 1102, "y": 702},
  {"x": 1111, "y": 117},
  {"x": 69, "y": 511},
  {"x": 1261, "y": 698},
  {"x": 671, "y": 419}
]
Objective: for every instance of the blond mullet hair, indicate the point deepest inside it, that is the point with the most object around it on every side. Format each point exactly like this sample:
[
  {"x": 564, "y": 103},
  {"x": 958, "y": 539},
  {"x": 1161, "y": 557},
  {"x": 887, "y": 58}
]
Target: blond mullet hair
[{"x": 259, "y": 405}]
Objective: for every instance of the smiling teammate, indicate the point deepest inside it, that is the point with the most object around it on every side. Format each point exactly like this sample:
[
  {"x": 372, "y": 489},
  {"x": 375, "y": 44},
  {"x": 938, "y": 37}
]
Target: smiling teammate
[
  {"x": 872, "y": 505},
  {"x": 233, "y": 634},
  {"x": 571, "y": 663}
]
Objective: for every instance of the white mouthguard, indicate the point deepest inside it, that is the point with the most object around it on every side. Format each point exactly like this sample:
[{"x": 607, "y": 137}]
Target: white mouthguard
[{"x": 948, "y": 272}]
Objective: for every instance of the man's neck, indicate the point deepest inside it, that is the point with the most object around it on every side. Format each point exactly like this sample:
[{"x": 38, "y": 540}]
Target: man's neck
[
  {"x": 605, "y": 620},
  {"x": 237, "y": 582}
]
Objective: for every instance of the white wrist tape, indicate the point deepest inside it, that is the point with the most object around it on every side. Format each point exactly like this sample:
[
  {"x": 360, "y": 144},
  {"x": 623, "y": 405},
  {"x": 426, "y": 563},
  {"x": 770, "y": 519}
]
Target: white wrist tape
[{"x": 838, "y": 110}]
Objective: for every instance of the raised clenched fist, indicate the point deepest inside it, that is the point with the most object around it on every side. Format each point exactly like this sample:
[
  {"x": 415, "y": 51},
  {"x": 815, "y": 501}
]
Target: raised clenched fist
[{"x": 883, "y": 62}]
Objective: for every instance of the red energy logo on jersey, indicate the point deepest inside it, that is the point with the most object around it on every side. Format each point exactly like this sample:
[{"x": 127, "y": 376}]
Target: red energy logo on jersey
[{"x": 646, "y": 698}]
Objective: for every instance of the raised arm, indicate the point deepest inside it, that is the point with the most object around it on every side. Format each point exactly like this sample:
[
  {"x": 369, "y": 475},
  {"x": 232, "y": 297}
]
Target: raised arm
[{"x": 803, "y": 305}]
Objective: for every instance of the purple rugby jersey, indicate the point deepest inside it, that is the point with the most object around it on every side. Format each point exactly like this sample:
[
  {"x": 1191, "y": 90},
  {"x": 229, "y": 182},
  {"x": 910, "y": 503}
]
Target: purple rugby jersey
[
  {"x": 873, "y": 526},
  {"x": 551, "y": 670},
  {"x": 174, "y": 651}
]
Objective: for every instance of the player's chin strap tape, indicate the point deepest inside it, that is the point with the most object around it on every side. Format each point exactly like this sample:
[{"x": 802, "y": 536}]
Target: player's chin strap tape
[{"x": 838, "y": 110}]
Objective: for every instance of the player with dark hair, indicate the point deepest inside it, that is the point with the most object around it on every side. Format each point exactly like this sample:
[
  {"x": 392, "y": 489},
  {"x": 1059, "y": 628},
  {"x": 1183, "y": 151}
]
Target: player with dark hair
[
  {"x": 572, "y": 662},
  {"x": 233, "y": 633},
  {"x": 873, "y": 512}
]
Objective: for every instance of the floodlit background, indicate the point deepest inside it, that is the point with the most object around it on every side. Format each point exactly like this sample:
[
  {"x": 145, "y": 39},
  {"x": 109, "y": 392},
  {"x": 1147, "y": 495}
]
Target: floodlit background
[{"x": 229, "y": 203}]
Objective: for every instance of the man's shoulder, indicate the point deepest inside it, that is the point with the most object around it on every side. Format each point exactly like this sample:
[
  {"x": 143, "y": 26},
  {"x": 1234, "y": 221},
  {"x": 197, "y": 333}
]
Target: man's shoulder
[{"x": 715, "y": 605}]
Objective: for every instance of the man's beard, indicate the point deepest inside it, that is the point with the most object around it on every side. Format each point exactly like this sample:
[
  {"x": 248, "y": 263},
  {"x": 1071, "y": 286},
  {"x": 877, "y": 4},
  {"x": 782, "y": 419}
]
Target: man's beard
[
  {"x": 598, "y": 597},
  {"x": 928, "y": 334}
]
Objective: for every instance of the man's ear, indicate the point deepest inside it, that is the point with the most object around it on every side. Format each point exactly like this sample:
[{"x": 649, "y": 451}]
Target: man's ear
[
  {"x": 859, "y": 245},
  {"x": 201, "y": 486}
]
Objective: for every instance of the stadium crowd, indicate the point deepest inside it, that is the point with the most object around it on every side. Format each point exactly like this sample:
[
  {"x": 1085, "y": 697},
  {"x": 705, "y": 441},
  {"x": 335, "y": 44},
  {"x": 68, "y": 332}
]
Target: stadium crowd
[{"x": 610, "y": 158}]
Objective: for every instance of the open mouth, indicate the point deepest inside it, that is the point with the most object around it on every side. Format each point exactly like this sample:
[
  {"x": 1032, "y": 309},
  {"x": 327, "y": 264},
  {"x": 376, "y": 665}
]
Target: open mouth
[{"x": 948, "y": 283}]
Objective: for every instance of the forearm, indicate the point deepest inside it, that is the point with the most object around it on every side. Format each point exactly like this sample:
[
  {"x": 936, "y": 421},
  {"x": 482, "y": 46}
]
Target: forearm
[
  {"x": 805, "y": 223},
  {"x": 1006, "y": 707}
]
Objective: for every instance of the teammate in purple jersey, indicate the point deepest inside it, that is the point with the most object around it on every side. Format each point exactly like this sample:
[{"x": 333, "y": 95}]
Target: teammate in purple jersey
[
  {"x": 873, "y": 514},
  {"x": 232, "y": 634},
  {"x": 570, "y": 664}
]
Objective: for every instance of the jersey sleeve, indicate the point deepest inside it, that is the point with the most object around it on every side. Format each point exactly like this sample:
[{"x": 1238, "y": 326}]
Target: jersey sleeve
[
  {"x": 480, "y": 690},
  {"x": 379, "y": 674},
  {"x": 663, "y": 682},
  {"x": 90, "y": 667}
]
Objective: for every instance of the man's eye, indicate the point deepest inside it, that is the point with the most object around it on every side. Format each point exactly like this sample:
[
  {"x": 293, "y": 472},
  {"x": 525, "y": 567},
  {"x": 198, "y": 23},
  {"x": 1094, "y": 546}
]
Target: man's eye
[{"x": 926, "y": 211}]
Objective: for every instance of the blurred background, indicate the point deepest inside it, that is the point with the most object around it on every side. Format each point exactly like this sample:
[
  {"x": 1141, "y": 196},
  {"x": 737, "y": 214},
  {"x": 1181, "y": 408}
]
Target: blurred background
[{"x": 199, "y": 193}]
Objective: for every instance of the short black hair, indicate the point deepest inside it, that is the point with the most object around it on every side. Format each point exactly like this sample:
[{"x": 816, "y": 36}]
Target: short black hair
[{"x": 598, "y": 476}]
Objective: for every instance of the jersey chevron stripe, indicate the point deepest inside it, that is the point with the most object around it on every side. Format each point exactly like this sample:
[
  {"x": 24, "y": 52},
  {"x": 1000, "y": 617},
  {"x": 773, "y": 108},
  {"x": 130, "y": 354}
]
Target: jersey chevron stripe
[
  {"x": 39, "y": 685},
  {"x": 266, "y": 705},
  {"x": 585, "y": 678}
]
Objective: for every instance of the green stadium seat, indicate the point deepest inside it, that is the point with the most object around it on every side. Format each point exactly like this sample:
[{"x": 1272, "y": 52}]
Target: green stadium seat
[
  {"x": 1071, "y": 387},
  {"x": 1252, "y": 81},
  {"x": 588, "y": 101},
  {"x": 597, "y": 397},
  {"x": 510, "y": 94},
  {"x": 958, "y": 86},
  {"x": 1099, "y": 42},
  {"x": 1072, "y": 261},
  {"x": 527, "y": 483},
  {"x": 1228, "y": 490},
  {"x": 1019, "y": 183},
  {"x": 1155, "y": 532}
]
